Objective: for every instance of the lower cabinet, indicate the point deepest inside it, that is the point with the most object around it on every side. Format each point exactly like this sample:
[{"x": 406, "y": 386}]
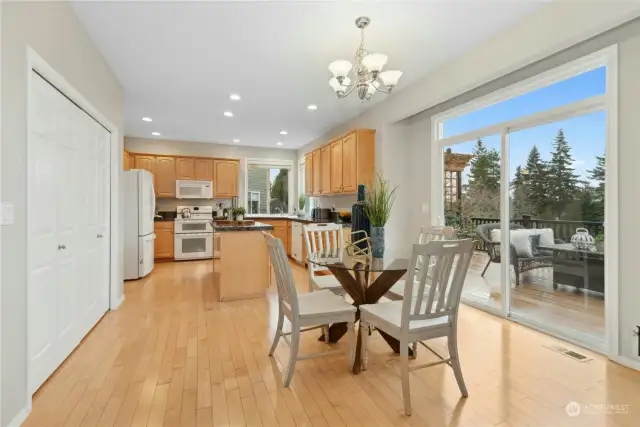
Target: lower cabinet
[{"x": 163, "y": 245}]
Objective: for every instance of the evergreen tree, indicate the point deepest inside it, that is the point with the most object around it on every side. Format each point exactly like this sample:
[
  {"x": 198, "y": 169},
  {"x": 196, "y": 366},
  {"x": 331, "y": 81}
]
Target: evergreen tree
[
  {"x": 484, "y": 167},
  {"x": 534, "y": 180},
  {"x": 482, "y": 193},
  {"x": 597, "y": 176},
  {"x": 519, "y": 203},
  {"x": 562, "y": 182},
  {"x": 280, "y": 192}
]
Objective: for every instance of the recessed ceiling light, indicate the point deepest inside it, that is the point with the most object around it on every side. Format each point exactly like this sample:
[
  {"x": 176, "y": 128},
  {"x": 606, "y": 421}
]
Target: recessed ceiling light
[
  {"x": 236, "y": 140},
  {"x": 234, "y": 97},
  {"x": 155, "y": 133},
  {"x": 278, "y": 143},
  {"x": 147, "y": 119},
  {"x": 228, "y": 114},
  {"x": 283, "y": 132},
  {"x": 312, "y": 107}
]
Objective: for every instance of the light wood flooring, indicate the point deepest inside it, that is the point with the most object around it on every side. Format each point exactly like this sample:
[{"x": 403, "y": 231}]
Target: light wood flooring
[{"x": 174, "y": 356}]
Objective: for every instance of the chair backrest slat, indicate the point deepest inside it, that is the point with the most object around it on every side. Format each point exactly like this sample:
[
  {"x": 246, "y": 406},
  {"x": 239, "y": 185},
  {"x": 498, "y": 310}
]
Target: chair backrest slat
[
  {"x": 444, "y": 289},
  {"x": 434, "y": 233},
  {"x": 287, "y": 293},
  {"x": 324, "y": 239}
]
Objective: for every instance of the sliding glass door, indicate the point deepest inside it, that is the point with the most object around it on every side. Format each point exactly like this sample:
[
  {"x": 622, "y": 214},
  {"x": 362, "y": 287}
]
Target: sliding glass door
[{"x": 523, "y": 173}]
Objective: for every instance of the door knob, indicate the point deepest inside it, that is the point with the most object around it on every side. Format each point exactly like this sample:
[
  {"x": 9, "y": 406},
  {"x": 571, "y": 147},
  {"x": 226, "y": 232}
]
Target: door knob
[
  {"x": 100, "y": 236},
  {"x": 60, "y": 247}
]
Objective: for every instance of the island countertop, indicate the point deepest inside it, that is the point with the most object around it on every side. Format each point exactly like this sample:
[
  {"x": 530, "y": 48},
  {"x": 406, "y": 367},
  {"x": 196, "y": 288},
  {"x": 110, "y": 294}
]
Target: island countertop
[{"x": 258, "y": 226}]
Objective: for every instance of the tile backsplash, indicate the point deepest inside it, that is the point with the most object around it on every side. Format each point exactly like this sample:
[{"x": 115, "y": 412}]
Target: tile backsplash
[{"x": 170, "y": 205}]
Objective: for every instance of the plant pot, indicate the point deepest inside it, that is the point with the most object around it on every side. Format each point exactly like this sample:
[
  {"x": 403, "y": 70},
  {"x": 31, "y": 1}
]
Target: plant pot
[
  {"x": 239, "y": 217},
  {"x": 377, "y": 242}
]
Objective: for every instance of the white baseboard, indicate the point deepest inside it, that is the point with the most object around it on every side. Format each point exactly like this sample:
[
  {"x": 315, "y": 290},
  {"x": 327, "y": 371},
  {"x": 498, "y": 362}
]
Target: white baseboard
[
  {"x": 118, "y": 303},
  {"x": 626, "y": 361},
  {"x": 19, "y": 418}
]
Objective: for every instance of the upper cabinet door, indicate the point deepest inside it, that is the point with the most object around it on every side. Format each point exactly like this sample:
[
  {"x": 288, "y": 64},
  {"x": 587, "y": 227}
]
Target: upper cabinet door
[
  {"x": 145, "y": 162},
  {"x": 225, "y": 178},
  {"x": 349, "y": 164},
  {"x": 317, "y": 172},
  {"x": 308, "y": 174},
  {"x": 325, "y": 188},
  {"x": 165, "y": 176},
  {"x": 185, "y": 168},
  {"x": 336, "y": 166},
  {"x": 203, "y": 170},
  {"x": 126, "y": 161}
]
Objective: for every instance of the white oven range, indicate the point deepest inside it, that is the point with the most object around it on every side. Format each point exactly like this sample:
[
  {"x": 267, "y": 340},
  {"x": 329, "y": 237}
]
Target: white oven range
[{"x": 193, "y": 235}]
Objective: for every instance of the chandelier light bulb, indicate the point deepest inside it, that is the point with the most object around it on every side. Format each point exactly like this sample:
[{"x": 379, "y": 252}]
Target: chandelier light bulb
[
  {"x": 340, "y": 68},
  {"x": 374, "y": 61},
  {"x": 390, "y": 77}
]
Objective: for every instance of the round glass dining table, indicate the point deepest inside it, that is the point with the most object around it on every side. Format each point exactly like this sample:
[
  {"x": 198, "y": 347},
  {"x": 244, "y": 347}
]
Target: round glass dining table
[{"x": 366, "y": 280}]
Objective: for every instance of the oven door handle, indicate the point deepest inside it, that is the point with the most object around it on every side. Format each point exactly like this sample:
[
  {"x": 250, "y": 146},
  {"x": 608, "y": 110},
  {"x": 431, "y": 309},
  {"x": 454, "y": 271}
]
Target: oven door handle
[{"x": 187, "y": 235}]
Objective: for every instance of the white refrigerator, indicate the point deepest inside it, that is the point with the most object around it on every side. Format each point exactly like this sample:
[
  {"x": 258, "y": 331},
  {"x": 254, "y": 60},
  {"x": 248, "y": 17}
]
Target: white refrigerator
[{"x": 139, "y": 210}]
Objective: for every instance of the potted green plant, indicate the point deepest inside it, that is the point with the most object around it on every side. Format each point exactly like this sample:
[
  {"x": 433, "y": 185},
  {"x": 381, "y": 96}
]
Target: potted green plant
[
  {"x": 301, "y": 202},
  {"x": 600, "y": 242},
  {"x": 377, "y": 207},
  {"x": 238, "y": 213}
]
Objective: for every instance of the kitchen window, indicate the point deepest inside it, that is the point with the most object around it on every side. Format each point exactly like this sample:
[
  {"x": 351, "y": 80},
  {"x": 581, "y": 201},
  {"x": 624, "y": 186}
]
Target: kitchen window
[
  {"x": 269, "y": 186},
  {"x": 253, "y": 207}
]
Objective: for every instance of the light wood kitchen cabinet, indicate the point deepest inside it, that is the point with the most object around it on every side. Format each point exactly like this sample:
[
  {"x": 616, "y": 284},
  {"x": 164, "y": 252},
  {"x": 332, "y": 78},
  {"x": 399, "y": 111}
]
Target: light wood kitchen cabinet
[
  {"x": 308, "y": 174},
  {"x": 325, "y": 186},
  {"x": 145, "y": 161},
  {"x": 280, "y": 231},
  {"x": 185, "y": 168},
  {"x": 163, "y": 244},
  {"x": 317, "y": 172},
  {"x": 287, "y": 247},
  {"x": 126, "y": 161},
  {"x": 165, "y": 176},
  {"x": 349, "y": 164},
  {"x": 203, "y": 170},
  {"x": 225, "y": 178},
  {"x": 336, "y": 166}
]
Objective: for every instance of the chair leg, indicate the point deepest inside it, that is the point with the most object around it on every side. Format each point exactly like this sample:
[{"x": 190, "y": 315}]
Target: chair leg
[
  {"x": 485, "y": 267},
  {"x": 415, "y": 350},
  {"x": 351, "y": 337},
  {"x": 364, "y": 336},
  {"x": 404, "y": 375},
  {"x": 452, "y": 342},
  {"x": 278, "y": 334},
  {"x": 325, "y": 331},
  {"x": 293, "y": 356}
]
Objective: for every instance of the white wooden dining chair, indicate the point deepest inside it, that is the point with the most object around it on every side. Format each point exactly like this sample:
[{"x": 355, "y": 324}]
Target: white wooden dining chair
[
  {"x": 328, "y": 240},
  {"x": 427, "y": 234},
  {"x": 432, "y": 313},
  {"x": 311, "y": 310}
]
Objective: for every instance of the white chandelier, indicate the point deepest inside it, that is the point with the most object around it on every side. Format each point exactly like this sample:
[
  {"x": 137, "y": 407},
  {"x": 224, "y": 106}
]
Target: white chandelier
[{"x": 368, "y": 79}]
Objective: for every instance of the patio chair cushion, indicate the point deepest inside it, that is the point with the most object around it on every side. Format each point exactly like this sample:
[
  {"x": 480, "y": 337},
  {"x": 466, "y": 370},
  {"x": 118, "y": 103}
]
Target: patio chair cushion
[{"x": 521, "y": 239}]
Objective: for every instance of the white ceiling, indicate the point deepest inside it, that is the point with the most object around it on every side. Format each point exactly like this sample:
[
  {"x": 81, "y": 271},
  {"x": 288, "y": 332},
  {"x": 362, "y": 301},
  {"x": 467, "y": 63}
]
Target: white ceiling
[{"x": 179, "y": 61}]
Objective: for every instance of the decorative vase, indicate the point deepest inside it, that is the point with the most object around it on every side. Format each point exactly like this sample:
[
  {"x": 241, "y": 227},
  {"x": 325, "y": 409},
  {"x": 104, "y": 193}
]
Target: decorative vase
[
  {"x": 583, "y": 240},
  {"x": 377, "y": 242},
  {"x": 359, "y": 220}
]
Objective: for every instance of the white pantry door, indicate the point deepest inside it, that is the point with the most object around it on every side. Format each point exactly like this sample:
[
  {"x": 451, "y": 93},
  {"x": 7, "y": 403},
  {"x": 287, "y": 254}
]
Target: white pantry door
[{"x": 68, "y": 277}]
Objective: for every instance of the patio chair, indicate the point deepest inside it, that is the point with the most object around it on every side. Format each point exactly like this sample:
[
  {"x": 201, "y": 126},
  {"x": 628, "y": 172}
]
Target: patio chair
[{"x": 541, "y": 258}]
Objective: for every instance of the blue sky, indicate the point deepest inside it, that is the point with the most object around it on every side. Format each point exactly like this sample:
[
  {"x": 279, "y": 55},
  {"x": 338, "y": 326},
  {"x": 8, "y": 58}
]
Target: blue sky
[{"x": 585, "y": 134}]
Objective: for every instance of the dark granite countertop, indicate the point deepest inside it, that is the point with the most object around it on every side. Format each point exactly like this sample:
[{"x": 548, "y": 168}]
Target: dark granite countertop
[
  {"x": 295, "y": 219},
  {"x": 163, "y": 219},
  {"x": 258, "y": 226}
]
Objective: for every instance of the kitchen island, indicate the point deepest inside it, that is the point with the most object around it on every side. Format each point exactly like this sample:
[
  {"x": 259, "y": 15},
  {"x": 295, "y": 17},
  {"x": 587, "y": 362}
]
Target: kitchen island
[{"x": 242, "y": 271}]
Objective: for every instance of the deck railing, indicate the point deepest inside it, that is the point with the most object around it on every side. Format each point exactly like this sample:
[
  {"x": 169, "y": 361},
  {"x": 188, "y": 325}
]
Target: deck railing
[{"x": 561, "y": 229}]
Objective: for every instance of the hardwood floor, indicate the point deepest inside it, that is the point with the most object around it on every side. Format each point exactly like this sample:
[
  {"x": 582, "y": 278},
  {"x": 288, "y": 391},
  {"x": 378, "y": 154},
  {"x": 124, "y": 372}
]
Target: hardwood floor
[{"x": 174, "y": 356}]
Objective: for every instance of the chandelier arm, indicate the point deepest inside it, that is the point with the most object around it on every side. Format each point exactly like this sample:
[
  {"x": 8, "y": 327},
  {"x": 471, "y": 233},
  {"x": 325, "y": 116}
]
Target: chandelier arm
[
  {"x": 380, "y": 90},
  {"x": 348, "y": 92}
]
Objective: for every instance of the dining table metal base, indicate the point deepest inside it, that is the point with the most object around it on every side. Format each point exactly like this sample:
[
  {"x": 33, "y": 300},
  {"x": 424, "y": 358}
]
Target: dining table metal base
[{"x": 356, "y": 287}]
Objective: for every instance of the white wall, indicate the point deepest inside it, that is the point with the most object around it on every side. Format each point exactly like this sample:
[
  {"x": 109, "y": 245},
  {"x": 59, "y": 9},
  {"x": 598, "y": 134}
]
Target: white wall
[
  {"x": 559, "y": 32},
  {"x": 54, "y": 32},
  {"x": 189, "y": 148}
]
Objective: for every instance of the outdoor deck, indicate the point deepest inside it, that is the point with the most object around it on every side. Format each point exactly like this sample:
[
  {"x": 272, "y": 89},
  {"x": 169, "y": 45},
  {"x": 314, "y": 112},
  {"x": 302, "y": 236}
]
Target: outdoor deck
[{"x": 565, "y": 308}]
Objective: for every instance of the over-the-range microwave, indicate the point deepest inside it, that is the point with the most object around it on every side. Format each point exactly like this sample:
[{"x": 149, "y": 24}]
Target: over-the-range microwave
[{"x": 190, "y": 189}]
